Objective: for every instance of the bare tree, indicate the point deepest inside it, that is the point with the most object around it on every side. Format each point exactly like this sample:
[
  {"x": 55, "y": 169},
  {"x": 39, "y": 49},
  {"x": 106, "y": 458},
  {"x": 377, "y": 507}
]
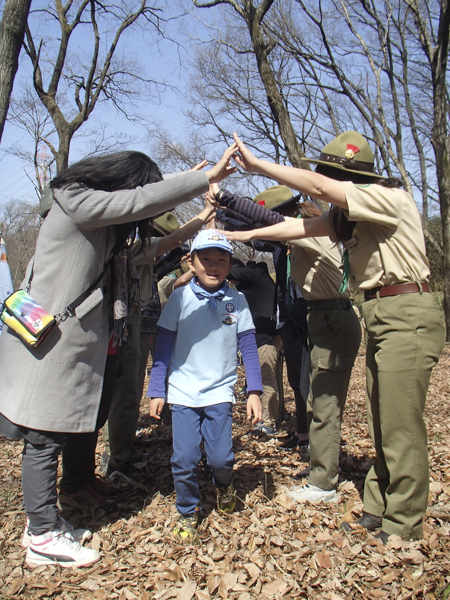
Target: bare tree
[
  {"x": 12, "y": 29},
  {"x": 389, "y": 62},
  {"x": 253, "y": 16},
  {"x": 31, "y": 116},
  {"x": 87, "y": 78},
  {"x": 380, "y": 68},
  {"x": 19, "y": 224}
]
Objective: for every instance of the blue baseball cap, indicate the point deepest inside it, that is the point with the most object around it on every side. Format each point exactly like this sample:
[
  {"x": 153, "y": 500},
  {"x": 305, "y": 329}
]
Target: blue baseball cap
[{"x": 211, "y": 238}]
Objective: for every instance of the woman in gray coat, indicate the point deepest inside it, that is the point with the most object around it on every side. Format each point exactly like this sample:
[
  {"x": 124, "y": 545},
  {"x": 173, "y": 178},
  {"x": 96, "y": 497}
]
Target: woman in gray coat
[{"x": 55, "y": 389}]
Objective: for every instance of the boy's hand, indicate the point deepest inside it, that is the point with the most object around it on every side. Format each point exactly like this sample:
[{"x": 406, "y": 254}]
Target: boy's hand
[
  {"x": 156, "y": 406},
  {"x": 254, "y": 406}
]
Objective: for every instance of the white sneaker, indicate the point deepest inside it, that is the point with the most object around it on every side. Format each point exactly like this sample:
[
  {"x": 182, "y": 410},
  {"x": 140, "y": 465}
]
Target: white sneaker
[
  {"x": 311, "y": 493},
  {"x": 79, "y": 535},
  {"x": 57, "y": 548}
]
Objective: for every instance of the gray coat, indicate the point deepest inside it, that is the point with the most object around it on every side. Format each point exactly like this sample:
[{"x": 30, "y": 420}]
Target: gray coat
[{"x": 57, "y": 386}]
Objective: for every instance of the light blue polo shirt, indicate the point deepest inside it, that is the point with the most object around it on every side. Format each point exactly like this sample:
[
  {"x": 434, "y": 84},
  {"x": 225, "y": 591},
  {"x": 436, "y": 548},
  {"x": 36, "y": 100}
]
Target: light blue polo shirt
[{"x": 203, "y": 363}]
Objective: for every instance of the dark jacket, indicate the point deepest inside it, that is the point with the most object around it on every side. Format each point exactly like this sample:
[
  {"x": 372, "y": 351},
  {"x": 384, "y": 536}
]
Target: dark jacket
[{"x": 258, "y": 288}]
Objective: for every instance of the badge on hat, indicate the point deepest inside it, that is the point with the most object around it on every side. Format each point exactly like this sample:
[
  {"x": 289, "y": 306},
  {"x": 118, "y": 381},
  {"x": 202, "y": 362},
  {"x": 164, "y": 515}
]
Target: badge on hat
[{"x": 351, "y": 151}]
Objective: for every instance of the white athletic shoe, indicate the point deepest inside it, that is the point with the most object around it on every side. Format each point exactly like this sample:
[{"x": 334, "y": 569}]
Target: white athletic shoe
[
  {"x": 79, "y": 535},
  {"x": 311, "y": 493},
  {"x": 57, "y": 548}
]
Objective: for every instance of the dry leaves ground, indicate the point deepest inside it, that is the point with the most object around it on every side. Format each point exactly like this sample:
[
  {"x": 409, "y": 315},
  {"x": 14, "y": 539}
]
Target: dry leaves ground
[{"x": 270, "y": 548}]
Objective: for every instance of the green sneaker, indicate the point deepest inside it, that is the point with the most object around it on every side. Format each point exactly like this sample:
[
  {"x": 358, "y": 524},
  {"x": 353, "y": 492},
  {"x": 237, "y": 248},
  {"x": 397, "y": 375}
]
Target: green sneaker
[
  {"x": 186, "y": 528},
  {"x": 226, "y": 499}
]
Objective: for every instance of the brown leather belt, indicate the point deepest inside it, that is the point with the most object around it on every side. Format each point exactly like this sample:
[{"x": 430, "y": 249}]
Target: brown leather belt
[{"x": 395, "y": 290}]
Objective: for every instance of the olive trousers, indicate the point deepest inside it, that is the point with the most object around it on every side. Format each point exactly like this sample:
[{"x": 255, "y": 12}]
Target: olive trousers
[
  {"x": 123, "y": 414},
  {"x": 335, "y": 336},
  {"x": 405, "y": 339}
]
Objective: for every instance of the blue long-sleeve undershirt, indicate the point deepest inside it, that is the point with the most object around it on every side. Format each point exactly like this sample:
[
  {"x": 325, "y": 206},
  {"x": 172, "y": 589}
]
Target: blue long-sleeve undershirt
[{"x": 163, "y": 352}]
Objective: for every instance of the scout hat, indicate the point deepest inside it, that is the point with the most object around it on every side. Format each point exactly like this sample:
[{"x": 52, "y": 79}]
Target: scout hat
[
  {"x": 350, "y": 152},
  {"x": 278, "y": 198},
  {"x": 211, "y": 238},
  {"x": 165, "y": 224}
]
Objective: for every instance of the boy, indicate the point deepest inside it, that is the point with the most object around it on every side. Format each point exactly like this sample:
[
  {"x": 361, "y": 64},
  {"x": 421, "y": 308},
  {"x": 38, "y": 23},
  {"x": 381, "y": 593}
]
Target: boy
[{"x": 199, "y": 332}]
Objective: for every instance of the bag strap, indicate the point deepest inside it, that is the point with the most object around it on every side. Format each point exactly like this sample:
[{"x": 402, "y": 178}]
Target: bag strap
[{"x": 70, "y": 309}]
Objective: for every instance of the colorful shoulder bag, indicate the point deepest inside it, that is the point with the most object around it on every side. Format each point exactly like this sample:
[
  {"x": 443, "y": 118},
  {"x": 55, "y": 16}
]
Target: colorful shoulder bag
[{"x": 30, "y": 321}]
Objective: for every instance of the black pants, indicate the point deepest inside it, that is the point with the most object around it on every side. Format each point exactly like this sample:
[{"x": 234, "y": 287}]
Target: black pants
[
  {"x": 295, "y": 345},
  {"x": 78, "y": 456}
]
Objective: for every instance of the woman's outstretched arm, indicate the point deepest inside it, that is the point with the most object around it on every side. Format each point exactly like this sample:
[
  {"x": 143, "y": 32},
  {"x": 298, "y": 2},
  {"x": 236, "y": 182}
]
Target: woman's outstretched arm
[
  {"x": 307, "y": 182},
  {"x": 291, "y": 229}
]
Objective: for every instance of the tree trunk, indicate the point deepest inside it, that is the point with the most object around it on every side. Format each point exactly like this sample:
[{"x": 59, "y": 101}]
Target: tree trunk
[
  {"x": 62, "y": 155},
  {"x": 441, "y": 144},
  {"x": 445, "y": 220},
  {"x": 274, "y": 98},
  {"x": 12, "y": 29}
]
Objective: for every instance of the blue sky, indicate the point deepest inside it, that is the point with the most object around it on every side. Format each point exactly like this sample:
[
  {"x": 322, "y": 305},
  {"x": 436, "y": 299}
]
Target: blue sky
[{"x": 164, "y": 63}]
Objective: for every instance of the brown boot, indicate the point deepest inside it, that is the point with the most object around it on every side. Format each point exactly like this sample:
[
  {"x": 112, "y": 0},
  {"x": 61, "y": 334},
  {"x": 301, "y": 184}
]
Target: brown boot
[{"x": 366, "y": 520}]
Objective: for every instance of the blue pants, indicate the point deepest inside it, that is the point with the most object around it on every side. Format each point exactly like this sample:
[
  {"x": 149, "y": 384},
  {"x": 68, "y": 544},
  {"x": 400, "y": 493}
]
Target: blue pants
[{"x": 190, "y": 426}]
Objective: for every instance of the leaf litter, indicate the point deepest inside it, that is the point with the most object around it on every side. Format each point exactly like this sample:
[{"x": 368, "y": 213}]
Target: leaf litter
[{"x": 270, "y": 547}]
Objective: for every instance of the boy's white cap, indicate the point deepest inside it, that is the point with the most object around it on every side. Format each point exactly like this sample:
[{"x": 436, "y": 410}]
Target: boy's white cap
[{"x": 211, "y": 238}]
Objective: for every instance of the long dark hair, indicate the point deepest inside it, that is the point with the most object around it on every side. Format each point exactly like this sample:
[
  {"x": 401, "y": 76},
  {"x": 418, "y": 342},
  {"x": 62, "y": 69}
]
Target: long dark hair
[
  {"x": 341, "y": 226},
  {"x": 119, "y": 171},
  {"x": 309, "y": 210}
]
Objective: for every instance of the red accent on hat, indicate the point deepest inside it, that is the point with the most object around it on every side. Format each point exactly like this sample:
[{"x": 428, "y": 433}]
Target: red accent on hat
[
  {"x": 353, "y": 147},
  {"x": 262, "y": 202}
]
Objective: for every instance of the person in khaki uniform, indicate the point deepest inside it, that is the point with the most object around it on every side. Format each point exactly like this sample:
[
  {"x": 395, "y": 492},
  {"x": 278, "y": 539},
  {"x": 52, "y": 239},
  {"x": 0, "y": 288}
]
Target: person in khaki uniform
[
  {"x": 334, "y": 339},
  {"x": 380, "y": 227},
  {"x": 334, "y": 336}
]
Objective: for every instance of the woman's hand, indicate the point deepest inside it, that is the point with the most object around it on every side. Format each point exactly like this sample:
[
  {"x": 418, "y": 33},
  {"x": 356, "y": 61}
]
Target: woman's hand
[
  {"x": 222, "y": 169},
  {"x": 245, "y": 158},
  {"x": 209, "y": 212},
  {"x": 200, "y": 166},
  {"x": 254, "y": 406},
  {"x": 240, "y": 236},
  {"x": 210, "y": 196},
  {"x": 156, "y": 406},
  {"x": 214, "y": 189}
]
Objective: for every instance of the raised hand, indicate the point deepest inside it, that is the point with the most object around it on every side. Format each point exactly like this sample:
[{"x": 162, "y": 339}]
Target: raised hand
[
  {"x": 210, "y": 196},
  {"x": 200, "y": 165},
  {"x": 222, "y": 169},
  {"x": 244, "y": 157}
]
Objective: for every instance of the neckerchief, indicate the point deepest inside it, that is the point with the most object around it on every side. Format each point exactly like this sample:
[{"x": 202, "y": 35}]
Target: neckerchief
[
  {"x": 211, "y": 297},
  {"x": 346, "y": 265}
]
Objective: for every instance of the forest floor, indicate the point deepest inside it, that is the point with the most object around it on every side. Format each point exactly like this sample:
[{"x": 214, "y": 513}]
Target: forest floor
[{"x": 270, "y": 547}]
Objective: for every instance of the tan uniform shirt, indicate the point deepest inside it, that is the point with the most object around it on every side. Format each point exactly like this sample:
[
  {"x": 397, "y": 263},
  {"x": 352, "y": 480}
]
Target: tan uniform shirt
[
  {"x": 165, "y": 289},
  {"x": 315, "y": 268},
  {"x": 144, "y": 259},
  {"x": 390, "y": 247}
]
